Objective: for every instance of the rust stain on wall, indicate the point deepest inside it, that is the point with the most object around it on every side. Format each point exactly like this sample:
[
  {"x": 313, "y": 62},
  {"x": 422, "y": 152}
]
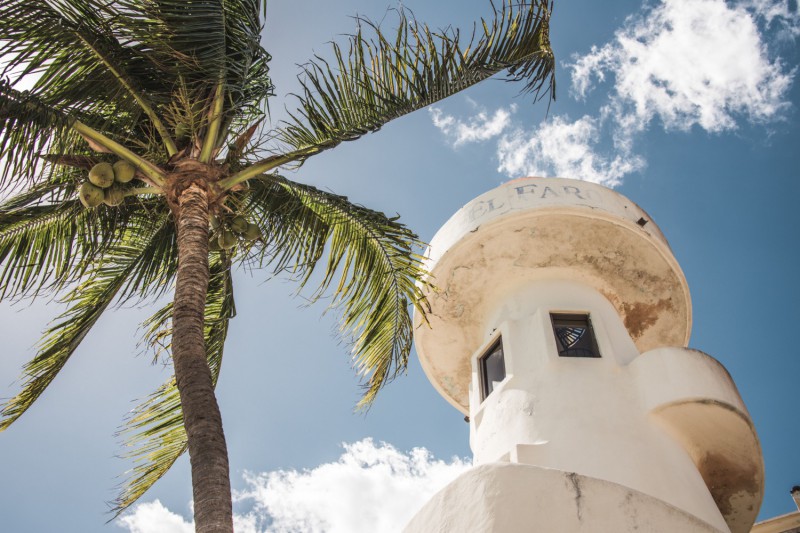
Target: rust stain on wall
[
  {"x": 640, "y": 316},
  {"x": 725, "y": 478}
]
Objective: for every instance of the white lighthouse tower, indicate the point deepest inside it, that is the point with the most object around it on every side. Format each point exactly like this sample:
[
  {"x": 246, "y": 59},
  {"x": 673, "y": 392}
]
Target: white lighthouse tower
[{"x": 559, "y": 326}]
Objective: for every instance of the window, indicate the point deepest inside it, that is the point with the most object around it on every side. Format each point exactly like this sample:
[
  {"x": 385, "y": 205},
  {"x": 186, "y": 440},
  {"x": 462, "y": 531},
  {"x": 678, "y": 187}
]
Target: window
[
  {"x": 574, "y": 335},
  {"x": 492, "y": 367}
]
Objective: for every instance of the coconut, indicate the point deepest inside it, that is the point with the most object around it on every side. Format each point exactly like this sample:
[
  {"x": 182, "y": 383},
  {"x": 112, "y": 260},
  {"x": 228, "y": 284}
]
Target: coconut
[
  {"x": 102, "y": 175},
  {"x": 90, "y": 195},
  {"x": 123, "y": 171},
  {"x": 239, "y": 224},
  {"x": 214, "y": 222},
  {"x": 114, "y": 195},
  {"x": 213, "y": 243},
  {"x": 227, "y": 239},
  {"x": 252, "y": 233}
]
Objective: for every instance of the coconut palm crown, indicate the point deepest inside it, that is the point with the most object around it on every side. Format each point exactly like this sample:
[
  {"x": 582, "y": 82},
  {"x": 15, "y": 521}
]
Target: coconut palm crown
[{"x": 160, "y": 103}]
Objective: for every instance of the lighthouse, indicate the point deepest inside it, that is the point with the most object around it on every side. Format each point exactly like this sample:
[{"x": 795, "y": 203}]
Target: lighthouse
[{"x": 559, "y": 323}]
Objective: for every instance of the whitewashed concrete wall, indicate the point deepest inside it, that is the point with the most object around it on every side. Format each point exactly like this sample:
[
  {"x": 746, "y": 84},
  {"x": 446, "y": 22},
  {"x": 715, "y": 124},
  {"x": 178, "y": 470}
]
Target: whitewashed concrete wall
[{"x": 650, "y": 420}]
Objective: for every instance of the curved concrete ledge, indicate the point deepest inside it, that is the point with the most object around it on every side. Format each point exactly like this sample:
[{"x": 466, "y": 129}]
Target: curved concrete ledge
[
  {"x": 670, "y": 374},
  {"x": 538, "y": 229},
  {"x": 722, "y": 443},
  {"x": 512, "y": 498},
  {"x": 528, "y": 193},
  {"x": 695, "y": 400}
]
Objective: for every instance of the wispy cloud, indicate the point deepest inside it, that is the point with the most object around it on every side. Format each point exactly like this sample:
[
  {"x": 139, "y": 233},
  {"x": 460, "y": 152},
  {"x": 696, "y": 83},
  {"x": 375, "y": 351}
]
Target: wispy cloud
[
  {"x": 776, "y": 14},
  {"x": 565, "y": 148},
  {"x": 371, "y": 488},
  {"x": 678, "y": 65},
  {"x": 480, "y": 127}
]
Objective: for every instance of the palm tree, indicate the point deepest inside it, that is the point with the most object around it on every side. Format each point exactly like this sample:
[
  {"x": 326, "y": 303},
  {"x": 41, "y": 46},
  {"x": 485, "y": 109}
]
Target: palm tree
[{"x": 174, "y": 92}]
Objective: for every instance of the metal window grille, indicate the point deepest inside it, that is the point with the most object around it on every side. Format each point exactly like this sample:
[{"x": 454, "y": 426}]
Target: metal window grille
[{"x": 574, "y": 335}]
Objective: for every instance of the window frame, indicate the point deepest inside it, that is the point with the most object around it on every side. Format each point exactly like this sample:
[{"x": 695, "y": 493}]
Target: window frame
[
  {"x": 572, "y": 316},
  {"x": 485, "y": 382}
]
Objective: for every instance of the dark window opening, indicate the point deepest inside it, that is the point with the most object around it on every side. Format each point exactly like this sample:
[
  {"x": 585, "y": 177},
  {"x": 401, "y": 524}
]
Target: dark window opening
[
  {"x": 493, "y": 367},
  {"x": 574, "y": 335}
]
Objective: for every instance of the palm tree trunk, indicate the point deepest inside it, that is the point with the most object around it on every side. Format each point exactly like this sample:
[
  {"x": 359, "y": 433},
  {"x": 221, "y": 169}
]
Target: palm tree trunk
[{"x": 213, "y": 512}]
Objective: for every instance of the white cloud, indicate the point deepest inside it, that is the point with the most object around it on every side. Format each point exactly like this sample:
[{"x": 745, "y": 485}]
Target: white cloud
[
  {"x": 688, "y": 62},
  {"x": 371, "y": 488},
  {"x": 685, "y": 63},
  {"x": 153, "y": 517},
  {"x": 480, "y": 127},
  {"x": 557, "y": 147},
  {"x": 564, "y": 148}
]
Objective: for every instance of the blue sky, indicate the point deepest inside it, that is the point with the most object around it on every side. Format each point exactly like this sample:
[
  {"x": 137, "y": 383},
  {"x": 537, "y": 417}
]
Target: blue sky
[{"x": 688, "y": 107}]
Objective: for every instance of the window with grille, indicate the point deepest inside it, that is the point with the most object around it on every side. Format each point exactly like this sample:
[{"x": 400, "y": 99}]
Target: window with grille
[{"x": 574, "y": 335}]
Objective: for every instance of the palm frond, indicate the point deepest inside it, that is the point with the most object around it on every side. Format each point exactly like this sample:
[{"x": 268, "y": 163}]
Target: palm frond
[
  {"x": 48, "y": 239},
  {"x": 154, "y": 430},
  {"x": 43, "y": 43},
  {"x": 87, "y": 302},
  {"x": 294, "y": 236},
  {"x": 117, "y": 66},
  {"x": 72, "y": 50},
  {"x": 380, "y": 78},
  {"x": 28, "y": 127},
  {"x": 41, "y": 245},
  {"x": 203, "y": 43},
  {"x": 372, "y": 269},
  {"x": 157, "y": 265},
  {"x": 31, "y": 127}
]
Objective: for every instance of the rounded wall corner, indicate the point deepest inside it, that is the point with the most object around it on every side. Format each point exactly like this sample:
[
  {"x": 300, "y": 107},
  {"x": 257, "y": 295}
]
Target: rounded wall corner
[{"x": 722, "y": 442}]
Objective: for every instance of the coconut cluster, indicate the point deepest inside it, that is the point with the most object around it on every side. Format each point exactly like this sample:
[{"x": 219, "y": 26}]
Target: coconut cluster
[
  {"x": 226, "y": 233},
  {"x": 105, "y": 184}
]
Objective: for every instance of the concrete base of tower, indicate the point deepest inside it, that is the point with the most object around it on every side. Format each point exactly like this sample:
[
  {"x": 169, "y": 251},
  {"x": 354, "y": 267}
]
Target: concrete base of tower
[{"x": 511, "y": 498}]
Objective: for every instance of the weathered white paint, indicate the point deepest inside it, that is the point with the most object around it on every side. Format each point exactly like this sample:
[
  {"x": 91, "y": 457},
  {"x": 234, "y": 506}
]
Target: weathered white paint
[
  {"x": 512, "y": 498},
  {"x": 615, "y": 417},
  {"x": 651, "y": 417},
  {"x": 537, "y": 229}
]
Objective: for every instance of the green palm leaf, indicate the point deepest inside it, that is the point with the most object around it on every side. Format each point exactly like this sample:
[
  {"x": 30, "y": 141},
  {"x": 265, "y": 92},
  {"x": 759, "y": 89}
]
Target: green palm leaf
[
  {"x": 74, "y": 52},
  {"x": 372, "y": 269},
  {"x": 36, "y": 247},
  {"x": 382, "y": 78},
  {"x": 109, "y": 279},
  {"x": 27, "y": 128},
  {"x": 31, "y": 127},
  {"x": 205, "y": 42},
  {"x": 43, "y": 234},
  {"x": 154, "y": 429},
  {"x": 48, "y": 239},
  {"x": 120, "y": 68}
]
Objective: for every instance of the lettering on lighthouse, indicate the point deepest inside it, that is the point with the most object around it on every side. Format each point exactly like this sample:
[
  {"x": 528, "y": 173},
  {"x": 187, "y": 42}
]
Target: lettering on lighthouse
[
  {"x": 527, "y": 195},
  {"x": 536, "y": 196}
]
